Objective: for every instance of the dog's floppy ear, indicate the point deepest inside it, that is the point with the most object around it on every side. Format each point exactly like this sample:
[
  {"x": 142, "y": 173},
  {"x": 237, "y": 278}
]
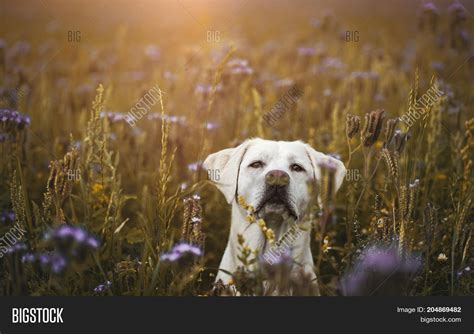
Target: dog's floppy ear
[
  {"x": 226, "y": 164},
  {"x": 318, "y": 159}
]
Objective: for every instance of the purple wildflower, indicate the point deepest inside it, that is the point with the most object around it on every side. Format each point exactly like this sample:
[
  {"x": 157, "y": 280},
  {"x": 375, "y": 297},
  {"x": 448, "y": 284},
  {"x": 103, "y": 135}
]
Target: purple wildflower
[
  {"x": 113, "y": 117},
  {"x": 437, "y": 66},
  {"x": 79, "y": 234},
  {"x": 43, "y": 259},
  {"x": 328, "y": 164},
  {"x": 92, "y": 242},
  {"x": 73, "y": 242},
  {"x": 48, "y": 261},
  {"x": 456, "y": 8},
  {"x": 380, "y": 271},
  {"x": 57, "y": 263},
  {"x": 153, "y": 115},
  {"x": 102, "y": 287},
  {"x": 152, "y": 52},
  {"x": 181, "y": 250},
  {"x": 17, "y": 248},
  {"x": 211, "y": 126},
  {"x": 194, "y": 166},
  {"x": 14, "y": 118},
  {"x": 172, "y": 119},
  {"x": 28, "y": 258},
  {"x": 306, "y": 51},
  {"x": 206, "y": 89},
  {"x": 428, "y": 16},
  {"x": 430, "y": 7},
  {"x": 238, "y": 62},
  {"x": 168, "y": 118},
  {"x": 333, "y": 63},
  {"x": 8, "y": 215},
  {"x": 20, "y": 48},
  {"x": 239, "y": 67}
]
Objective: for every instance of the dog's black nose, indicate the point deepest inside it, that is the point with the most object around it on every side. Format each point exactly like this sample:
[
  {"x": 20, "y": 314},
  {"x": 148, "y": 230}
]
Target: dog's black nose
[{"x": 277, "y": 178}]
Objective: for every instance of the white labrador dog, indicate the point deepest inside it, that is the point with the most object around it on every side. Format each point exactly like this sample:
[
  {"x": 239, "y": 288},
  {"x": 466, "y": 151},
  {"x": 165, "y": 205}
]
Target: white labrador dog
[{"x": 273, "y": 177}]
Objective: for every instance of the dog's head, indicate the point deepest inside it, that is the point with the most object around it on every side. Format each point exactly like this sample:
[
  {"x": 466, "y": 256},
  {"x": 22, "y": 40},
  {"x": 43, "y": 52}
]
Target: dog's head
[{"x": 272, "y": 176}]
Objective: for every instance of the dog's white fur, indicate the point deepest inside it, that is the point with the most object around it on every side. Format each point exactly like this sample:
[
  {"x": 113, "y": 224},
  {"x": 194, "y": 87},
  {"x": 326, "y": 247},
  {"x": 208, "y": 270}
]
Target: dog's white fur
[{"x": 237, "y": 177}]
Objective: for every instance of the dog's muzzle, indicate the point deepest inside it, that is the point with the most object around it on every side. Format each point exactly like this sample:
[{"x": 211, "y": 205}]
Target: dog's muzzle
[
  {"x": 275, "y": 198},
  {"x": 277, "y": 178}
]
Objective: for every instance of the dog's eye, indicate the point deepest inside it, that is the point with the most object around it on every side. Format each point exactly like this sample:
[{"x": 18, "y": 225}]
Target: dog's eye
[
  {"x": 256, "y": 164},
  {"x": 297, "y": 168}
]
